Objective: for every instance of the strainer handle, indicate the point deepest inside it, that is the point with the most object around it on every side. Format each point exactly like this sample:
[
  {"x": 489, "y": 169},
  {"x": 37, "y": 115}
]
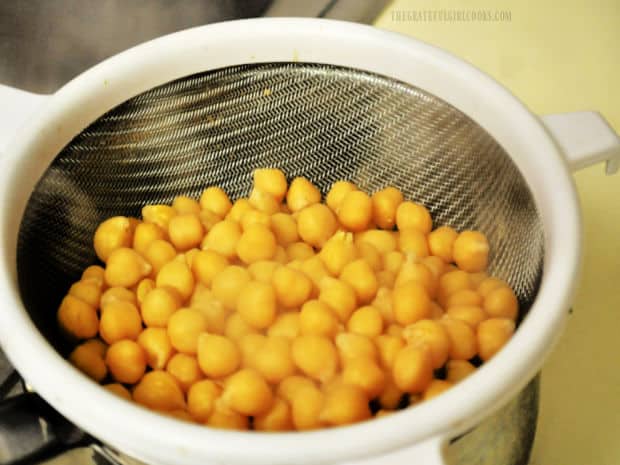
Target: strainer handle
[
  {"x": 16, "y": 106},
  {"x": 585, "y": 138},
  {"x": 428, "y": 452}
]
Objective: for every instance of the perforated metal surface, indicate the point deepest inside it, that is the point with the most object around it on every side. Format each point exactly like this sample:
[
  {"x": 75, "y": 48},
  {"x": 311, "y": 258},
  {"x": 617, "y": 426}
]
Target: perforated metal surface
[{"x": 322, "y": 122}]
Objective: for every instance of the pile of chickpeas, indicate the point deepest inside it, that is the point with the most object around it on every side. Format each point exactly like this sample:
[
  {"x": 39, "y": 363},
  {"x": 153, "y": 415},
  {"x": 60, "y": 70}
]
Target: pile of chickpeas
[{"x": 279, "y": 312}]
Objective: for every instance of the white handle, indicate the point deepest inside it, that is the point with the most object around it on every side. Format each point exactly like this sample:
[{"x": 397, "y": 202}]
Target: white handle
[
  {"x": 429, "y": 452},
  {"x": 16, "y": 106},
  {"x": 585, "y": 138}
]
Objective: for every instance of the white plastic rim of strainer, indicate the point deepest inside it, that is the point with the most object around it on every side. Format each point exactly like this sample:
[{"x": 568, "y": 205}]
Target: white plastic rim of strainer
[{"x": 48, "y": 124}]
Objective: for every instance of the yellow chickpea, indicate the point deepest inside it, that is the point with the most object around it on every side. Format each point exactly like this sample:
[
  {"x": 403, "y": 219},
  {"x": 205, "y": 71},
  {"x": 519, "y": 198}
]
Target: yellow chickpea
[
  {"x": 431, "y": 335},
  {"x": 490, "y": 284},
  {"x": 286, "y": 325},
  {"x": 339, "y": 296},
  {"x": 413, "y": 242},
  {"x": 464, "y": 297},
  {"x": 288, "y": 388},
  {"x": 471, "y": 251},
  {"x": 292, "y": 287},
  {"x": 385, "y": 279},
  {"x": 352, "y": 346},
  {"x": 119, "y": 390},
  {"x": 213, "y": 310},
  {"x": 413, "y": 369},
  {"x": 206, "y": 264},
  {"x": 383, "y": 303},
  {"x": 411, "y": 215},
  {"x": 314, "y": 268},
  {"x": 201, "y": 398},
  {"x": 125, "y": 267},
  {"x": 299, "y": 251},
  {"x": 112, "y": 234},
  {"x": 419, "y": 273},
  {"x": 159, "y": 305},
  {"x": 144, "y": 234},
  {"x": 184, "y": 327},
  {"x": 274, "y": 360},
  {"x": 184, "y": 204},
  {"x": 338, "y": 251},
  {"x": 246, "y": 392},
  {"x": 89, "y": 361},
  {"x": 218, "y": 356},
  {"x": 224, "y": 418},
  {"x": 435, "y": 264},
  {"x": 157, "y": 348},
  {"x": 302, "y": 193},
  {"x": 257, "y": 304},
  {"x": 391, "y": 396},
  {"x": 392, "y": 261},
  {"x": 410, "y": 303},
  {"x": 185, "y": 370},
  {"x": 228, "y": 283},
  {"x": 158, "y": 253},
  {"x": 501, "y": 303},
  {"x": 388, "y": 346},
  {"x": 120, "y": 320},
  {"x": 492, "y": 335},
  {"x": 236, "y": 327},
  {"x": 126, "y": 361},
  {"x": 158, "y": 390},
  {"x": 355, "y": 211},
  {"x": 345, "y": 404},
  {"x": 96, "y": 345},
  {"x": 95, "y": 274},
  {"x": 114, "y": 294},
  {"x": 253, "y": 217},
  {"x": 315, "y": 356},
  {"x": 371, "y": 255},
  {"x": 255, "y": 244},
  {"x": 223, "y": 238},
  {"x": 441, "y": 241},
  {"x": 215, "y": 200},
  {"x": 185, "y": 231},
  {"x": 316, "y": 224},
  {"x": 306, "y": 408},
  {"x": 366, "y": 374},
  {"x": 271, "y": 181},
  {"x": 384, "y": 205},
  {"x": 264, "y": 202},
  {"x": 337, "y": 193},
  {"x": 463, "y": 345},
  {"x": 87, "y": 291},
  {"x": 208, "y": 219},
  {"x": 263, "y": 270},
  {"x": 249, "y": 345},
  {"x": 458, "y": 370},
  {"x": 158, "y": 214},
  {"x": 451, "y": 282},
  {"x": 284, "y": 227},
  {"x": 177, "y": 275},
  {"x": 239, "y": 208},
  {"x": 394, "y": 330},
  {"x": 277, "y": 418},
  {"x": 384, "y": 241},
  {"x": 143, "y": 288},
  {"x": 366, "y": 320},
  {"x": 360, "y": 276},
  {"x": 317, "y": 318},
  {"x": 470, "y": 314},
  {"x": 436, "y": 387}
]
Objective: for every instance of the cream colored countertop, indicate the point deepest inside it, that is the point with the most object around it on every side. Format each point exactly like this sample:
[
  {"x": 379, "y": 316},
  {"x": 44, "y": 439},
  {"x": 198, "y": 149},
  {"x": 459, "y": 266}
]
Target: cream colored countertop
[{"x": 558, "y": 57}]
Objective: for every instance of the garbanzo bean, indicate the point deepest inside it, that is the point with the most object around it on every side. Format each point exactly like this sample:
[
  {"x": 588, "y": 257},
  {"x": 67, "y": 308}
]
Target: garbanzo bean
[
  {"x": 184, "y": 369},
  {"x": 120, "y": 320},
  {"x": 411, "y": 215},
  {"x": 125, "y": 267},
  {"x": 177, "y": 275},
  {"x": 413, "y": 242},
  {"x": 89, "y": 361},
  {"x": 184, "y": 327},
  {"x": 272, "y": 181},
  {"x": 158, "y": 390},
  {"x": 470, "y": 314},
  {"x": 119, "y": 390},
  {"x": 435, "y": 264},
  {"x": 247, "y": 393},
  {"x": 413, "y": 369},
  {"x": 360, "y": 276},
  {"x": 264, "y": 202},
  {"x": 95, "y": 274},
  {"x": 126, "y": 361},
  {"x": 201, "y": 398},
  {"x": 464, "y": 297},
  {"x": 286, "y": 325},
  {"x": 239, "y": 208},
  {"x": 436, "y": 387},
  {"x": 117, "y": 293},
  {"x": 185, "y": 231},
  {"x": 384, "y": 241},
  {"x": 431, "y": 335},
  {"x": 302, "y": 193},
  {"x": 184, "y": 204},
  {"x": 391, "y": 395},
  {"x": 417, "y": 272},
  {"x": 371, "y": 255},
  {"x": 317, "y": 318},
  {"x": 451, "y": 282},
  {"x": 158, "y": 253},
  {"x": 314, "y": 268},
  {"x": 145, "y": 286},
  {"x": 489, "y": 284},
  {"x": 316, "y": 356},
  {"x": 277, "y": 418},
  {"x": 256, "y": 243},
  {"x": 392, "y": 261},
  {"x": 227, "y": 285},
  {"x": 352, "y": 346},
  {"x": 87, "y": 291},
  {"x": 292, "y": 287},
  {"x": 457, "y": 370},
  {"x": 339, "y": 296},
  {"x": 257, "y": 304},
  {"x": 502, "y": 303},
  {"x": 306, "y": 406},
  {"x": 345, "y": 404},
  {"x": 388, "y": 346},
  {"x": 224, "y": 418},
  {"x": 410, "y": 303},
  {"x": 159, "y": 305},
  {"x": 144, "y": 234},
  {"x": 157, "y": 347},
  {"x": 366, "y": 320},
  {"x": 366, "y": 374},
  {"x": 112, "y": 234},
  {"x": 471, "y": 251},
  {"x": 223, "y": 238},
  {"x": 218, "y": 356},
  {"x": 236, "y": 327},
  {"x": 383, "y": 303},
  {"x": 208, "y": 219},
  {"x": 253, "y": 217},
  {"x": 337, "y": 193},
  {"x": 355, "y": 211},
  {"x": 274, "y": 360},
  {"x": 492, "y": 335},
  {"x": 441, "y": 241},
  {"x": 284, "y": 227},
  {"x": 216, "y": 200},
  {"x": 338, "y": 251},
  {"x": 316, "y": 224},
  {"x": 299, "y": 251},
  {"x": 206, "y": 264},
  {"x": 158, "y": 214},
  {"x": 249, "y": 345},
  {"x": 384, "y": 205},
  {"x": 463, "y": 345}
]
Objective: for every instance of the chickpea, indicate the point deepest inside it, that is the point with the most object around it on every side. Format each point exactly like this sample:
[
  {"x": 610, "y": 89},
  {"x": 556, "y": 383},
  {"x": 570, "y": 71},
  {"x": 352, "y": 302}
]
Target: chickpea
[
  {"x": 339, "y": 296},
  {"x": 236, "y": 327},
  {"x": 114, "y": 294},
  {"x": 227, "y": 419},
  {"x": 436, "y": 387},
  {"x": 159, "y": 305},
  {"x": 206, "y": 264},
  {"x": 383, "y": 303},
  {"x": 184, "y": 328},
  {"x": 257, "y": 304},
  {"x": 391, "y": 396},
  {"x": 302, "y": 193},
  {"x": 247, "y": 393},
  {"x": 256, "y": 243},
  {"x": 263, "y": 270},
  {"x": 253, "y": 217},
  {"x": 125, "y": 267},
  {"x": 463, "y": 345},
  {"x": 392, "y": 261},
  {"x": 158, "y": 253},
  {"x": 274, "y": 360},
  {"x": 467, "y": 297},
  {"x": 316, "y": 356},
  {"x": 317, "y": 318},
  {"x": 490, "y": 284},
  {"x": 501, "y": 303},
  {"x": 441, "y": 241},
  {"x": 431, "y": 335},
  {"x": 355, "y": 211},
  {"x": 272, "y": 181},
  {"x": 185, "y": 370},
  {"x": 143, "y": 288},
  {"x": 280, "y": 255},
  {"x": 249, "y": 345},
  {"x": 288, "y": 388},
  {"x": 366, "y": 374},
  {"x": 388, "y": 346},
  {"x": 158, "y": 214},
  {"x": 306, "y": 408},
  {"x": 212, "y": 309},
  {"x": 277, "y": 418},
  {"x": 180, "y": 414},
  {"x": 384, "y": 241},
  {"x": 477, "y": 278},
  {"x": 367, "y": 321},
  {"x": 492, "y": 335},
  {"x": 184, "y": 204},
  {"x": 411, "y": 215},
  {"x": 352, "y": 346},
  {"x": 337, "y": 193},
  {"x": 284, "y": 227},
  {"x": 316, "y": 224},
  {"x": 384, "y": 205},
  {"x": 413, "y": 242},
  {"x": 87, "y": 291},
  {"x": 201, "y": 398},
  {"x": 451, "y": 282},
  {"x": 223, "y": 238},
  {"x": 385, "y": 279},
  {"x": 126, "y": 361},
  {"x": 215, "y": 200},
  {"x": 286, "y": 325},
  {"x": 158, "y": 390},
  {"x": 228, "y": 283},
  {"x": 112, "y": 234},
  {"x": 177, "y": 275},
  {"x": 94, "y": 274},
  {"x": 299, "y": 251},
  {"x": 417, "y": 272},
  {"x": 89, "y": 362},
  {"x": 360, "y": 276},
  {"x": 413, "y": 369},
  {"x": 314, "y": 268},
  {"x": 218, "y": 356},
  {"x": 471, "y": 251},
  {"x": 436, "y": 311},
  {"x": 411, "y": 303},
  {"x": 264, "y": 202},
  {"x": 394, "y": 330},
  {"x": 470, "y": 314},
  {"x": 185, "y": 231},
  {"x": 208, "y": 219},
  {"x": 457, "y": 370},
  {"x": 345, "y": 404},
  {"x": 371, "y": 255},
  {"x": 96, "y": 345},
  {"x": 119, "y": 390},
  {"x": 144, "y": 234},
  {"x": 338, "y": 251},
  {"x": 120, "y": 320},
  {"x": 435, "y": 264},
  {"x": 156, "y": 346},
  {"x": 239, "y": 208},
  {"x": 292, "y": 287}
]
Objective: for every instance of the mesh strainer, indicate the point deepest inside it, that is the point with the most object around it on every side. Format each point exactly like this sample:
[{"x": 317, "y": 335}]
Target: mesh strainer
[{"x": 322, "y": 99}]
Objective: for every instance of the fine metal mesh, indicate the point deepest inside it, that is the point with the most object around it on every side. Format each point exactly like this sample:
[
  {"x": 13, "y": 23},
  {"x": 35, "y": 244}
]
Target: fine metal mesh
[{"x": 323, "y": 122}]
